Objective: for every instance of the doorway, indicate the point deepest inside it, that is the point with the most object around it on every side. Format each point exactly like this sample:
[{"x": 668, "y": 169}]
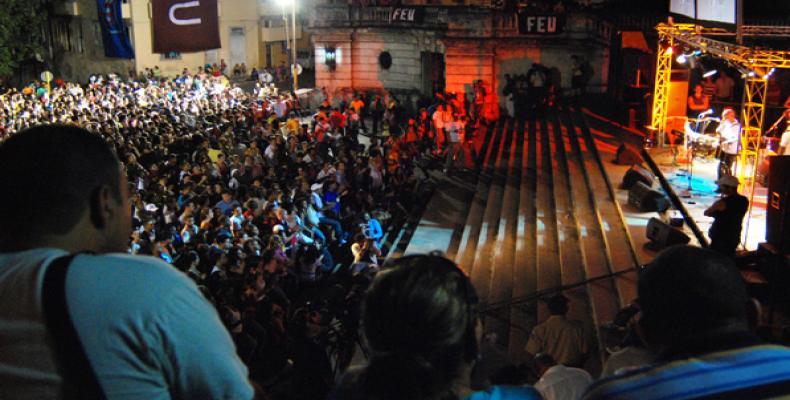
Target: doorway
[
  {"x": 432, "y": 73},
  {"x": 238, "y": 47}
]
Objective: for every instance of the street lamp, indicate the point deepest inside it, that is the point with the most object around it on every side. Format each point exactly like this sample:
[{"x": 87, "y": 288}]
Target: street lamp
[{"x": 283, "y": 4}]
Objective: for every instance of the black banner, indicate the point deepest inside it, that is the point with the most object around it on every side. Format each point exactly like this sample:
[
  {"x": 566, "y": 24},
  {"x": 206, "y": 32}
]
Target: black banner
[
  {"x": 185, "y": 25},
  {"x": 534, "y": 24}
]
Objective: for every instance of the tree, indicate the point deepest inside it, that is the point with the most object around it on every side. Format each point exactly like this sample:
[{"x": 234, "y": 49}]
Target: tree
[{"x": 22, "y": 27}]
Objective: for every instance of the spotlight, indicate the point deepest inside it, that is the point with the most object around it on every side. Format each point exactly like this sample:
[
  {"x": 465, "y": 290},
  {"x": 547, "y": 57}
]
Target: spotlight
[
  {"x": 670, "y": 51},
  {"x": 710, "y": 73},
  {"x": 681, "y": 59}
]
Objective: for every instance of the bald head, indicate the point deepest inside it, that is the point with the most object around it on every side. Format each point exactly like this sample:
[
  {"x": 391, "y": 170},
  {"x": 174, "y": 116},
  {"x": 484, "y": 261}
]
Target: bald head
[{"x": 52, "y": 174}]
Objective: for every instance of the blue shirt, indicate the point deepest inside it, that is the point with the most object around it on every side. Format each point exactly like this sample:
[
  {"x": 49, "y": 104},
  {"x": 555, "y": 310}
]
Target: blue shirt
[
  {"x": 506, "y": 393},
  {"x": 146, "y": 329},
  {"x": 756, "y": 371}
]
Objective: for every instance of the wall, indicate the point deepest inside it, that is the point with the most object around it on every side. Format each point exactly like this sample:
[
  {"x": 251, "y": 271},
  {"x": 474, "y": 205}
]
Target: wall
[
  {"x": 359, "y": 65},
  {"x": 79, "y": 65}
]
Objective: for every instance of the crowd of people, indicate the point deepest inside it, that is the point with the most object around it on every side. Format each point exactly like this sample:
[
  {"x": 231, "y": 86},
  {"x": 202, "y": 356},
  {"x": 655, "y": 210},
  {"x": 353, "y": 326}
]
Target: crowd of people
[
  {"x": 278, "y": 216},
  {"x": 277, "y": 221}
]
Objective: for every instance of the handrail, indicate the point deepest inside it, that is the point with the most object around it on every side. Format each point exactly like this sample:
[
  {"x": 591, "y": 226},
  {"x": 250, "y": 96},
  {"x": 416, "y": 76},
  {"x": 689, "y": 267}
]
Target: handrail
[
  {"x": 673, "y": 197},
  {"x": 537, "y": 295},
  {"x": 591, "y": 142}
]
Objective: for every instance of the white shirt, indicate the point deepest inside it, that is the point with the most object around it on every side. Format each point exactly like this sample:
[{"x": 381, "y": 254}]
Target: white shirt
[
  {"x": 563, "y": 383},
  {"x": 730, "y": 136},
  {"x": 146, "y": 329},
  {"x": 785, "y": 142}
]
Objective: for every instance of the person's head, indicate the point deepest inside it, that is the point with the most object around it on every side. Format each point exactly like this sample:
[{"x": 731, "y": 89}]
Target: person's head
[
  {"x": 728, "y": 185},
  {"x": 64, "y": 188},
  {"x": 420, "y": 319},
  {"x": 542, "y": 362},
  {"x": 688, "y": 292},
  {"x": 728, "y": 114},
  {"x": 557, "y": 304},
  {"x": 698, "y": 90}
]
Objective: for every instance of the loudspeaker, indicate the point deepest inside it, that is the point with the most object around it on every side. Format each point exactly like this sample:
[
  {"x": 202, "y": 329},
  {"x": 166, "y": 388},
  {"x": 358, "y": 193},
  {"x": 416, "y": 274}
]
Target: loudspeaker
[
  {"x": 637, "y": 173},
  {"x": 777, "y": 228},
  {"x": 646, "y": 199},
  {"x": 662, "y": 235},
  {"x": 627, "y": 156}
]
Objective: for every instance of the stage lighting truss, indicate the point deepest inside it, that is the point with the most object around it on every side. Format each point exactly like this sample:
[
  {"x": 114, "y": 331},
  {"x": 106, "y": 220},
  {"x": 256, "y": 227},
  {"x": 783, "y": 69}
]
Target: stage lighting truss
[{"x": 756, "y": 67}]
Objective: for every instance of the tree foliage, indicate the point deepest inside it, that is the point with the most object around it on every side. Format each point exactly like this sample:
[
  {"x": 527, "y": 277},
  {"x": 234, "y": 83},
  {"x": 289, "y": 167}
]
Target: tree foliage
[{"x": 22, "y": 27}]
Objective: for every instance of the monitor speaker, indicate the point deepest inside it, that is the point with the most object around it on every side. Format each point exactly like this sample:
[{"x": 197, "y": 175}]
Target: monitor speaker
[
  {"x": 645, "y": 199},
  {"x": 627, "y": 156},
  {"x": 635, "y": 174},
  {"x": 662, "y": 235}
]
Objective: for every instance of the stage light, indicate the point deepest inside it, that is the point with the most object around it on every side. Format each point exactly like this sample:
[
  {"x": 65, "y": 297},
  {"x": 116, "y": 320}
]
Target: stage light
[
  {"x": 681, "y": 59},
  {"x": 710, "y": 73},
  {"x": 670, "y": 51}
]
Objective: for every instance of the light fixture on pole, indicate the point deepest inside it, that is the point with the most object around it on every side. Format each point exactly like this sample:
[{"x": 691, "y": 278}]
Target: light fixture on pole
[{"x": 294, "y": 72}]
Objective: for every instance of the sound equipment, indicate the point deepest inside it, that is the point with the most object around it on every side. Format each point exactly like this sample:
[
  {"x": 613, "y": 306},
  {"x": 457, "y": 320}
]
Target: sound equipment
[
  {"x": 645, "y": 199},
  {"x": 637, "y": 173},
  {"x": 627, "y": 156},
  {"x": 662, "y": 235},
  {"x": 777, "y": 229}
]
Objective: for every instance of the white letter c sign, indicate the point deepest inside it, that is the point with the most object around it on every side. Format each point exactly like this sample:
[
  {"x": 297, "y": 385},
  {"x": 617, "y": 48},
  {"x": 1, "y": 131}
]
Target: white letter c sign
[{"x": 178, "y": 21}]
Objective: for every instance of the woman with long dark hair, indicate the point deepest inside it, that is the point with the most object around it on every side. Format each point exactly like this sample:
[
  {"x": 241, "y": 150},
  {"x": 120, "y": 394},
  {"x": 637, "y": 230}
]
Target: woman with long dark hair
[{"x": 421, "y": 324}]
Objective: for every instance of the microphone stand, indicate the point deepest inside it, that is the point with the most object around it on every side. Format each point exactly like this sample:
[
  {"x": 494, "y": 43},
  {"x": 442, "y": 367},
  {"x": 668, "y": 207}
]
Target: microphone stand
[{"x": 782, "y": 117}]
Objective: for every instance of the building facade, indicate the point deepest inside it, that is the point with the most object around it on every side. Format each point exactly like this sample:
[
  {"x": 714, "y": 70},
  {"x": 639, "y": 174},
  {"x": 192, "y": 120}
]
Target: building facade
[
  {"x": 252, "y": 32},
  {"x": 75, "y": 45},
  {"x": 420, "y": 47}
]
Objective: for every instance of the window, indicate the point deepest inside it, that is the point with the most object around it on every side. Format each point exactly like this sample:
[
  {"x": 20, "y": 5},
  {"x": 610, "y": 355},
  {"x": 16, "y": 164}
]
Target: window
[
  {"x": 60, "y": 29},
  {"x": 97, "y": 37},
  {"x": 171, "y": 55},
  {"x": 80, "y": 38}
]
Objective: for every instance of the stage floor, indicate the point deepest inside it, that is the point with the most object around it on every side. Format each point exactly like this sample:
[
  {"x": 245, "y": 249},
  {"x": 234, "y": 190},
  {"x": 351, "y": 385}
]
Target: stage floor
[{"x": 696, "y": 188}]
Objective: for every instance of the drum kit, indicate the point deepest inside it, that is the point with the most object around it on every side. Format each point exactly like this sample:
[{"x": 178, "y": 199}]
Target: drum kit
[{"x": 699, "y": 143}]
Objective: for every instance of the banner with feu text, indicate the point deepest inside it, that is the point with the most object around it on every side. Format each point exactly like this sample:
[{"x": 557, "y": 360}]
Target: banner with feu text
[
  {"x": 114, "y": 36},
  {"x": 185, "y": 26}
]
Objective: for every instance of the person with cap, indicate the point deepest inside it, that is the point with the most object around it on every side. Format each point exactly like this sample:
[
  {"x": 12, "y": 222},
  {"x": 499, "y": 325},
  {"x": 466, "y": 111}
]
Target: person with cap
[
  {"x": 729, "y": 131},
  {"x": 564, "y": 340},
  {"x": 697, "y": 316},
  {"x": 727, "y": 213}
]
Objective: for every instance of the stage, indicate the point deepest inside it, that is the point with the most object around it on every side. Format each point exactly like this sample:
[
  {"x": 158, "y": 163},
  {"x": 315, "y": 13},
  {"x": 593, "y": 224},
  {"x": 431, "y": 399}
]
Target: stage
[{"x": 695, "y": 186}]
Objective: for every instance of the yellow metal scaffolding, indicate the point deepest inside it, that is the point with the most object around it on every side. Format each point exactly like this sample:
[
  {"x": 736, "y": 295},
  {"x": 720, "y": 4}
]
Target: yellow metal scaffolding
[{"x": 758, "y": 65}]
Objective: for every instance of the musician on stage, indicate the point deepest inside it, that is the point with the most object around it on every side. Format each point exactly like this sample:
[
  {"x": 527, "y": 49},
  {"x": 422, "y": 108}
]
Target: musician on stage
[{"x": 729, "y": 131}]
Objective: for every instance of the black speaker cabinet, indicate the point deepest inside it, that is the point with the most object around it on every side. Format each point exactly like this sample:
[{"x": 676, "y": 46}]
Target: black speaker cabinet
[
  {"x": 645, "y": 199},
  {"x": 662, "y": 235},
  {"x": 637, "y": 173},
  {"x": 777, "y": 230},
  {"x": 627, "y": 156}
]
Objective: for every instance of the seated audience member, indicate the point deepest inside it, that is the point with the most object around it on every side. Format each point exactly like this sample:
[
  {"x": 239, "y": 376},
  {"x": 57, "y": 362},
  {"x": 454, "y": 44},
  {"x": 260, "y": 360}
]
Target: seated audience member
[
  {"x": 420, "y": 320},
  {"x": 695, "y": 316},
  {"x": 78, "y": 317},
  {"x": 562, "y": 339},
  {"x": 558, "y": 382}
]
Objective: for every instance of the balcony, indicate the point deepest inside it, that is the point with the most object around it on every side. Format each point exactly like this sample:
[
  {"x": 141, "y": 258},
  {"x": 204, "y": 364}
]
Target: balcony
[
  {"x": 461, "y": 22},
  {"x": 341, "y": 16}
]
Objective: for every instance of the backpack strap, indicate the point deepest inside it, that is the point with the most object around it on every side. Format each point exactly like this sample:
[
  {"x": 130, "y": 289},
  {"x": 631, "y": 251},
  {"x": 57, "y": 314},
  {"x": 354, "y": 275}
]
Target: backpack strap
[{"x": 79, "y": 379}]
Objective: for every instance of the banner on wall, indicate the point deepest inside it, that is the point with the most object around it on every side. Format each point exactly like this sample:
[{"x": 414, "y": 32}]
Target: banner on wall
[
  {"x": 113, "y": 30},
  {"x": 185, "y": 26},
  {"x": 407, "y": 14},
  {"x": 536, "y": 24}
]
